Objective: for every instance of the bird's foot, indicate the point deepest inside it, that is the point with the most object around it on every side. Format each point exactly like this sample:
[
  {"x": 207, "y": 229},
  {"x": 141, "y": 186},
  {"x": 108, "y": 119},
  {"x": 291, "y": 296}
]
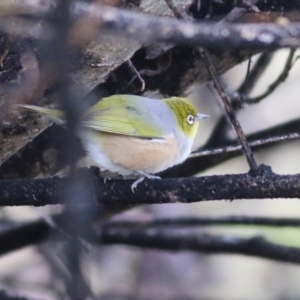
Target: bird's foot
[
  {"x": 135, "y": 184},
  {"x": 140, "y": 179}
]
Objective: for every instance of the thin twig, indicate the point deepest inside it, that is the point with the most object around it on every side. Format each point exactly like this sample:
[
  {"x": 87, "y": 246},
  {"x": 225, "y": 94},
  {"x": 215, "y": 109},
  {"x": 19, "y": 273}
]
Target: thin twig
[
  {"x": 195, "y": 165},
  {"x": 248, "y": 73},
  {"x": 136, "y": 72},
  {"x": 229, "y": 110},
  {"x": 175, "y": 10},
  {"x": 280, "y": 79},
  {"x": 249, "y": 5},
  {"x": 218, "y": 136},
  {"x": 252, "y": 78},
  {"x": 256, "y": 143},
  {"x": 227, "y": 105}
]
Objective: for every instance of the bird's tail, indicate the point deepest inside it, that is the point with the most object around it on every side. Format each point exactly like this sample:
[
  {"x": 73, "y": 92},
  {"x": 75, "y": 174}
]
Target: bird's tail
[{"x": 55, "y": 115}]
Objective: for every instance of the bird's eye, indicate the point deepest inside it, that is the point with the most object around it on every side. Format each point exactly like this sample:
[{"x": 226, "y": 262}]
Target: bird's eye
[{"x": 190, "y": 119}]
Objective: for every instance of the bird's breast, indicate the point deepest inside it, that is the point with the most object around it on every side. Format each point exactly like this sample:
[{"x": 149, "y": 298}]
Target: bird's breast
[{"x": 138, "y": 154}]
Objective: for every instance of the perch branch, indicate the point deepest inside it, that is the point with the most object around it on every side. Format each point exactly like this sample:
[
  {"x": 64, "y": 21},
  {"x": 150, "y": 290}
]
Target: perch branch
[{"x": 39, "y": 192}]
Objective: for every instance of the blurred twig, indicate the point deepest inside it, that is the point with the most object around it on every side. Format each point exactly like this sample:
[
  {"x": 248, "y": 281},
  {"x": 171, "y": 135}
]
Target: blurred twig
[
  {"x": 156, "y": 235},
  {"x": 76, "y": 286},
  {"x": 169, "y": 240},
  {"x": 153, "y": 29},
  {"x": 185, "y": 222}
]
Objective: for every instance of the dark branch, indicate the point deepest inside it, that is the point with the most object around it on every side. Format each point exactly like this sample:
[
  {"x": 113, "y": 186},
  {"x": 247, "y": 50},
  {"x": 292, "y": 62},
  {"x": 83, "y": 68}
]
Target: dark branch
[
  {"x": 173, "y": 240},
  {"x": 38, "y": 192},
  {"x": 16, "y": 236},
  {"x": 210, "y": 221},
  {"x": 229, "y": 110},
  {"x": 152, "y": 235}
]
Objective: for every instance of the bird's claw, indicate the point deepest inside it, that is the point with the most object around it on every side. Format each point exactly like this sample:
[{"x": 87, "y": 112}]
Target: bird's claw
[{"x": 140, "y": 179}]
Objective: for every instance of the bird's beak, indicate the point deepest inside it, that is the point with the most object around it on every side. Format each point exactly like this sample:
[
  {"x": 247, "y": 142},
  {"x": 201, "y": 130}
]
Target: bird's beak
[{"x": 201, "y": 116}]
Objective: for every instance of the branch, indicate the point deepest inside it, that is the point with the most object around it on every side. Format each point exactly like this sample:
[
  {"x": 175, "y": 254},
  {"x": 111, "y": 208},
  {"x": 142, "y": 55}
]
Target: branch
[
  {"x": 229, "y": 110},
  {"x": 16, "y": 236},
  {"x": 172, "y": 240},
  {"x": 152, "y": 235},
  {"x": 209, "y": 221},
  {"x": 280, "y": 79},
  {"x": 151, "y": 29},
  {"x": 195, "y": 165},
  {"x": 256, "y": 143},
  {"x": 252, "y": 77},
  {"x": 39, "y": 192},
  {"x": 220, "y": 132},
  {"x": 205, "y": 55}
]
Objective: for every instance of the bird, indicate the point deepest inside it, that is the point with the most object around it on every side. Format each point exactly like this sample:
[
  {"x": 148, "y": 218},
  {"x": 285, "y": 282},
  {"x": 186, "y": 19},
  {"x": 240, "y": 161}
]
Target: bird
[{"x": 135, "y": 135}]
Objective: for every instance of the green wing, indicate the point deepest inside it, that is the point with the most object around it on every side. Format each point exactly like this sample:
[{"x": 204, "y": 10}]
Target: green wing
[{"x": 123, "y": 114}]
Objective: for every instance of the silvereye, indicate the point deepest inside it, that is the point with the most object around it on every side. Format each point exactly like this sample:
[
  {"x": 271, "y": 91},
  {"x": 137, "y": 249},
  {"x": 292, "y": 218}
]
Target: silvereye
[{"x": 133, "y": 135}]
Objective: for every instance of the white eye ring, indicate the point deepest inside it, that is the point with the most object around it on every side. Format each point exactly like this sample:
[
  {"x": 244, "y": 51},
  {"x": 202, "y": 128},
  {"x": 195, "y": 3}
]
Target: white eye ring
[{"x": 190, "y": 119}]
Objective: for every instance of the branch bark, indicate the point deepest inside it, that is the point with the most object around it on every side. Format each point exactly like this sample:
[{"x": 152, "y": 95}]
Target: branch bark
[{"x": 39, "y": 192}]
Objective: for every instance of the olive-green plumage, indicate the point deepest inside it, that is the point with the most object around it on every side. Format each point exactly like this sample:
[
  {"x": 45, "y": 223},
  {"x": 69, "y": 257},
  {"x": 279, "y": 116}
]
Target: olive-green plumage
[
  {"x": 135, "y": 135},
  {"x": 181, "y": 109}
]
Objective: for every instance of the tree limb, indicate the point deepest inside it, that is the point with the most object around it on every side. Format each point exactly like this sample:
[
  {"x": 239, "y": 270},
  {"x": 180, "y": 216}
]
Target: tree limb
[
  {"x": 39, "y": 192},
  {"x": 157, "y": 238},
  {"x": 154, "y": 236},
  {"x": 151, "y": 29}
]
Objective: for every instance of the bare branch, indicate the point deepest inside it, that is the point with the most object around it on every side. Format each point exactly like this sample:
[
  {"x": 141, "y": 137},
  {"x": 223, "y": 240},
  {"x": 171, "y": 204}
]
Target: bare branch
[
  {"x": 229, "y": 110},
  {"x": 185, "y": 222},
  {"x": 39, "y": 192},
  {"x": 156, "y": 236},
  {"x": 172, "y": 240},
  {"x": 151, "y": 29},
  {"x": 256, "y": 143},
  {"x": 256, "y": 72}
]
